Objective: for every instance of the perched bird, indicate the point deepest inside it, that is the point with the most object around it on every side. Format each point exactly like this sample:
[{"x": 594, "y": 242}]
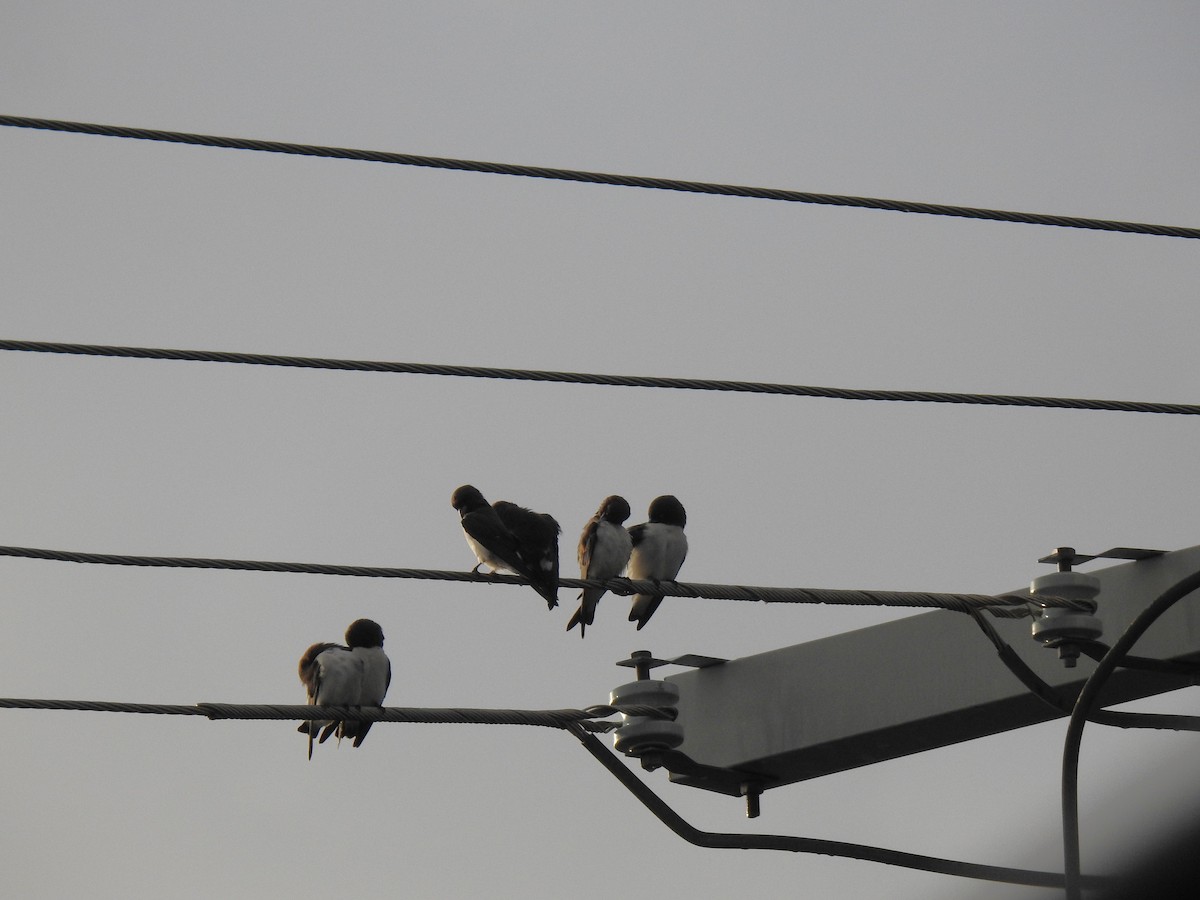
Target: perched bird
[
  {"x": 604, "y": 549},
  {"x": 357, "y": 674},
  {"x": 507, "y": 536},
  {"x": 537, "y": 544},
  {"x": 489, "y": 538},
  {"x": 659, "y": 549}
]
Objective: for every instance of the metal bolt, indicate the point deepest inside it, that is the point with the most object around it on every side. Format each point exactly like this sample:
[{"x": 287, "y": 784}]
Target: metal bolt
[
  {"x": 1068, "y": 652},
  {"x": 752, "y": 792},
  {"x": 641, "y": 663}
]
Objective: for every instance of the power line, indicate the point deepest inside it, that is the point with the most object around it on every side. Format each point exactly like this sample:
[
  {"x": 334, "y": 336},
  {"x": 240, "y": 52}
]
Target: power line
[
  {"x": 636, "y": 181},
  {"x": 692, "y": 384},
  {"x": 547, "y": 718},
  {"x": 580, "y": 722},
  {"x": 1084, "y": 703},
  {"x": 788, "y": 843},
  {"x": 966, "y": 603},
  {"x": 1050, "y": 695}
]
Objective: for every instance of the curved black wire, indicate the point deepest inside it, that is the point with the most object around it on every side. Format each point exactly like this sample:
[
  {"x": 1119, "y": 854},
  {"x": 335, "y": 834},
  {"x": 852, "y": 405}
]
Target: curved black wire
[
  {"x": 689, "y": 384},
  {"x": 1097, "y": 649},
  {"x": 1054, "y": 698},
  {"x": 1079, "y": 716},
  {"x": 579, "y": 722},
  {"x": 718, "y": 840},
  {"x": 636, "y": 181}
]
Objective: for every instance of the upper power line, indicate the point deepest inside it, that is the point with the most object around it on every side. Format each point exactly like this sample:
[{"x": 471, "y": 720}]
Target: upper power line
[
  {"x": 691, "y": 384},
  {"x": 662, "y": 184}
]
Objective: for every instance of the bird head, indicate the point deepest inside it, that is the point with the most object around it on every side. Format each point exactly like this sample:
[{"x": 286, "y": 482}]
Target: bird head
[
  {"x": 467, "y": 498},
  {"x": 667, "y": 510},
  {"x": 364, "y": 633},
  {"x": 615, "y": 509}
]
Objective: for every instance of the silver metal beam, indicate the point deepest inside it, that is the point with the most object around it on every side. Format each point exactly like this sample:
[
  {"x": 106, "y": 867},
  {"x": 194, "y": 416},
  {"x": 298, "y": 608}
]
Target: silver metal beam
[{"x": 906, "y": 686}]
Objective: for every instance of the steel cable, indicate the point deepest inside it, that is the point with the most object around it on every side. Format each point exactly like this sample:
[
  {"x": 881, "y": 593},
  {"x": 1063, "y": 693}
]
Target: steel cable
[
  {"x": 691, "y": 384},
  {"x": 788, "y": 843},
  {"x": 547, "y": 718},
  {"x": 1004, "y": 604},
  {"x": 634, "y": 181},
  {"x": 1087, "y": 699},
  {"x": 580, "y": 722}
]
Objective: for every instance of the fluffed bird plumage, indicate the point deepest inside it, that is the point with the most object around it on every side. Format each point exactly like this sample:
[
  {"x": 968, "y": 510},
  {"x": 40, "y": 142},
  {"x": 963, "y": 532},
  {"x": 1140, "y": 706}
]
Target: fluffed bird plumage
[
  {"x": 355, "y": 674},
  {"x": 604, "y": 548},
  {"x": 659, "y": 549}
]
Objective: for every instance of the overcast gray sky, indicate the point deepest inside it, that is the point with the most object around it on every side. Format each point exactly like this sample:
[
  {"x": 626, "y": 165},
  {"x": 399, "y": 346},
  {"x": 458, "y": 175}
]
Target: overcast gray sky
[{"x": 1075, "y": 109}]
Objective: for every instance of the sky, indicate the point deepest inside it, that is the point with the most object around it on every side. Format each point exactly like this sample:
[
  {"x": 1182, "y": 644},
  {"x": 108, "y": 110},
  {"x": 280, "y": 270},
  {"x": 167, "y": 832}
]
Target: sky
[{"x": 1072, "y": 109}]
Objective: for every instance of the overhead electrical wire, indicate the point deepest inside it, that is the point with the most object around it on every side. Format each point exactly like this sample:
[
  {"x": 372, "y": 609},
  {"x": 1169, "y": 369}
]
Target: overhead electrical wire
[
  {"x": 547, "y": 718},
  {"x": 581, "y": 723},
  {"x": 1096, "y": 650},
  {"x": 635, "y": 181},
  {"x": 717, "y": 840},
  {"x": 1056, "y": 699},
  {"x": 965, "y": 603},
  {"x": 693, "y": 384},
  {"x": 1083, "y": 710}
]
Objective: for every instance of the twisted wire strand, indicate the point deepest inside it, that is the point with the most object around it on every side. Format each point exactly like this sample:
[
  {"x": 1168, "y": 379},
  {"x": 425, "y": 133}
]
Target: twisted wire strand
[
  {"x": 690, "y": 384},
  {"x": 547, "y": 718},
  {"x": 1010, "y": 604},
  {"x": 634, "y": 181},
  {"x": 160, "y": 709}
]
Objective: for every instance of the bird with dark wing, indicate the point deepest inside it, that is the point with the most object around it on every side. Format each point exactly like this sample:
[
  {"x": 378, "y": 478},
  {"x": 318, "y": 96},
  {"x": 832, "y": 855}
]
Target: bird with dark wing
[
  {"x": 604, "y": 548},
  {"x": 506, "y": 536},
  {"x": 489, "y": 538},
  {"x": 537, "y": 545}
]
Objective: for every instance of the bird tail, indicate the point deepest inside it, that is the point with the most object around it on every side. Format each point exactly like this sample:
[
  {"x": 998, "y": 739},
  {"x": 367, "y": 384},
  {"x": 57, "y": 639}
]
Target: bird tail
[
  {"x": 577, "y": 619},
  {"x": 310, "y": 728},
  {"x": 548, "y": 590},
  {"x": 544, "y": 583},
  {"x": 330, "y": 728},
  {"x": 586, "y": 613},
  {"x": 321, "y": 731},
  {"x": 643, "y": 608}
]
